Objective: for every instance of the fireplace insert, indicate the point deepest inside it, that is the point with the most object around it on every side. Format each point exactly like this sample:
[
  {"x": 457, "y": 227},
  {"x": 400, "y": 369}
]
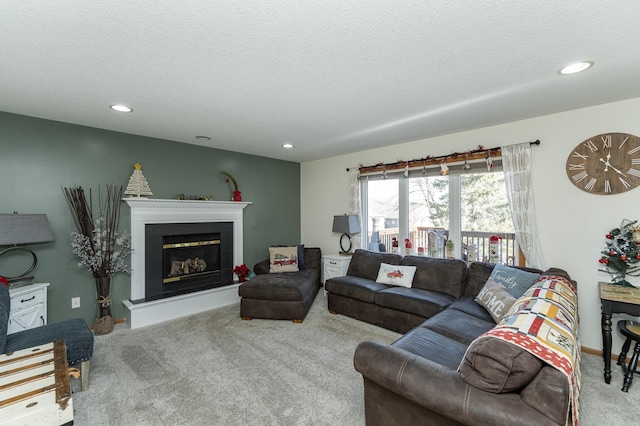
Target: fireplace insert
[{"x": 186, "y": 257}]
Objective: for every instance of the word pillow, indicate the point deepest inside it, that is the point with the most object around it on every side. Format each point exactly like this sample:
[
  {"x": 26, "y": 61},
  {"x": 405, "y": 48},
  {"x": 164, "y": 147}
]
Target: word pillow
[
  {"x": 396, "y": 275},
  {"x": 504, "y": 286}
]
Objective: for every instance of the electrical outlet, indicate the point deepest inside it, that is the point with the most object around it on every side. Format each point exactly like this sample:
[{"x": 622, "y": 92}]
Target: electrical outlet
[{"x": 75, "y": 302}]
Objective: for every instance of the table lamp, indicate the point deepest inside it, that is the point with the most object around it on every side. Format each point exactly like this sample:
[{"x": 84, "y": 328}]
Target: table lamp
[
  {"x": 19, "y": 229},
  {"x": 347, "y": 225}
]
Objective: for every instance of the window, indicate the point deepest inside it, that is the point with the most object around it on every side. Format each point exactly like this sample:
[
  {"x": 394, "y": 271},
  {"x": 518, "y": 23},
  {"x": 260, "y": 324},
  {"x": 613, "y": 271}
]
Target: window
[{"x": 443, "y": 216}]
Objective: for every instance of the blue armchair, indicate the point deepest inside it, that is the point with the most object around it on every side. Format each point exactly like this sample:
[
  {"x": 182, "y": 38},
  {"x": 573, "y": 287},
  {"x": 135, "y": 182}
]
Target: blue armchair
[{"x": 75, "y": 333}]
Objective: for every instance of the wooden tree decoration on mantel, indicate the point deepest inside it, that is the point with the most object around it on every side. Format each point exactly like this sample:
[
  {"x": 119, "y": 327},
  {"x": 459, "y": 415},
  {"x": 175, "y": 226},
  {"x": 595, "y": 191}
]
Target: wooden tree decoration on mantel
[{"x": 138, "y": 185}]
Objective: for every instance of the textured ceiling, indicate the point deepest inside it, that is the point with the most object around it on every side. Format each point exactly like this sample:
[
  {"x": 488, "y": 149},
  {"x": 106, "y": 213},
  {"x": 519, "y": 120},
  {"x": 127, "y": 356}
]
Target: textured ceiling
[{"x": 329, "y": 76}]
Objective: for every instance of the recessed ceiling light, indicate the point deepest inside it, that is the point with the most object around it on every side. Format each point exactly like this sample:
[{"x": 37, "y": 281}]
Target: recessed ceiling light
[
  {"x": 120, "y": 108},
  {"x": 576, "y": 68},
  {"x": 287, "y": 145},
  {"x": 203, "y": 138}
]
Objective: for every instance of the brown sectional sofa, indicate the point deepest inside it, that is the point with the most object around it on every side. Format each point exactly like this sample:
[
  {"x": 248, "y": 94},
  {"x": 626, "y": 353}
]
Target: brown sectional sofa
[{"x": 415, "y": 380}]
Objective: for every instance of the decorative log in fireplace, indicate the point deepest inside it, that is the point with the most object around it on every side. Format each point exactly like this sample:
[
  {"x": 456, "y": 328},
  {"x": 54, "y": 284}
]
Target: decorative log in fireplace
[{"x": 185, "y": 259}]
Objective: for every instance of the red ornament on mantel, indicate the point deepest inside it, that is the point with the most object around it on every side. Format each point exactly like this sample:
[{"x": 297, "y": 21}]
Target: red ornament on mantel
[{"x": 237, "y": 196}]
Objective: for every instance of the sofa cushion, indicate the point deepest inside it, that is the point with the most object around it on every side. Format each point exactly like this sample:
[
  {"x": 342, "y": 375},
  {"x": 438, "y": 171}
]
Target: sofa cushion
[
  {"x": 285, "y": 286},
  {"x": 283, "y": 259},
  {"x": 468, "y": 305},
  {"x": 77, "y": 337},
  {"x": 366, "y": 264},
  {"x": 442, "y": 275},
  {"x": 354, "y": 287},
  {"x": 415, "y": 301},
  {"x": 396, "y": 275},
  {"x": 432, "y": 346},
  {"x": 495, "y": 299},
  {"x": 313, "y": 258},
  {"x": 496, "y": 366},
  {"x": 458, "y": 325}
]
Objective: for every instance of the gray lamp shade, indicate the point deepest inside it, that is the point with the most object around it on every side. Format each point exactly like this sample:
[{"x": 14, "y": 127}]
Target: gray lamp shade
[
  {"x": 18, "y": 229},
  {"x": 346, "y": 224}
]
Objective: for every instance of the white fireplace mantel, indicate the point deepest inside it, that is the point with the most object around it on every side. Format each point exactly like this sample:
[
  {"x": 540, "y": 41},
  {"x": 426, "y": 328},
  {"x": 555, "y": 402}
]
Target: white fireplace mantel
[{"x": 152, "y": 211}]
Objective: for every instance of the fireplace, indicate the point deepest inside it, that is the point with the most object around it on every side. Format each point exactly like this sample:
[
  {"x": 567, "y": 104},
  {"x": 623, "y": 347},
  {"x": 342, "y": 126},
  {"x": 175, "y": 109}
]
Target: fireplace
[
  {"x": 193, "y": 232},
  {"x": 186, "y": 257}
]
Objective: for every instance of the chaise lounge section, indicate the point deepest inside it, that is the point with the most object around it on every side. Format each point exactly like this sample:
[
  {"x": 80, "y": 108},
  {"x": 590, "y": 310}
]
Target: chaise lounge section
[{"x": 281, "y": 295}]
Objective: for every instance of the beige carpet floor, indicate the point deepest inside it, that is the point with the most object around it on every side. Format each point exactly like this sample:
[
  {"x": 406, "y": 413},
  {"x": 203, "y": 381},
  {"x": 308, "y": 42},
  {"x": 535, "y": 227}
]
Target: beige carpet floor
[{"x": 215, "y": 369}]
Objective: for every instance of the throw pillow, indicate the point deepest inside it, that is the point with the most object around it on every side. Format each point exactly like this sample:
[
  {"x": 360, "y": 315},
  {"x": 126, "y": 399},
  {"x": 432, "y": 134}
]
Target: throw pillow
[
  {"x": 301, "y": 262},
  {"x": 504, "y": 286},
  {"x": 283, "y": 259},
  {"x": 495, "y": 300},
  {"x": 396, "y": 275},
  {"x": 514, "y": 281}
]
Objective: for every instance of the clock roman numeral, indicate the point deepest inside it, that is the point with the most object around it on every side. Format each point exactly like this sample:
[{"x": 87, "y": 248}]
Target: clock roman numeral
[
  {"x": 634, "y": 172},
  {"x": 623, "y": 142},
  {"x": 580, "y": 176},
  {"x": 575, "y": 154},
  {"x": 592, "y": 182},
  {"x": 607, "y": 186},
  {"x": 591, "y": 146},
  {"x": 635, "y": 161},
  {"x": 625, "y": 183},
  {"x": 606, "y": 141},
  {"x": 634, "y": 150},
  {"x": 576, "y": 166}
]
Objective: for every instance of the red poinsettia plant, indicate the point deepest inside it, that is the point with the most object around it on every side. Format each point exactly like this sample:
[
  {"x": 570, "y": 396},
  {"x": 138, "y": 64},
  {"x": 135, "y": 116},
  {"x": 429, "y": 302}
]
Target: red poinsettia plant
[{"x": 241, "y": 271}]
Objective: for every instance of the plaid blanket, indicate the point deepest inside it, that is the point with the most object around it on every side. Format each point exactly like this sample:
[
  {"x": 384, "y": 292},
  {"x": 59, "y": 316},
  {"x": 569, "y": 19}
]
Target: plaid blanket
[{"x": 545, "y": 322}]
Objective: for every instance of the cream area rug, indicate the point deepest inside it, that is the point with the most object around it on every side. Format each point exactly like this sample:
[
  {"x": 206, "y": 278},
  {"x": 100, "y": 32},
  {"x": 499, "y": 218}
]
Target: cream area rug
[{"x": 215, "y": 369}]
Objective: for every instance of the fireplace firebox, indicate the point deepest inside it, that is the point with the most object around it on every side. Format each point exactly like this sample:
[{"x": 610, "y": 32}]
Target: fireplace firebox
[{"x": 187, "y": 257}]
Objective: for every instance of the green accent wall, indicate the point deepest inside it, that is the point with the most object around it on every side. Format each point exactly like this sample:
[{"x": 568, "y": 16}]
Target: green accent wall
[{"x": 39, "y": 157}]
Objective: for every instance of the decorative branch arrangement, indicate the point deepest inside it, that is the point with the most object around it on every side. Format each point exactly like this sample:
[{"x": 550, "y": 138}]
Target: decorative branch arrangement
[
  {"x": 237, "y": 196},
  {"x": 97, "y": 244}
]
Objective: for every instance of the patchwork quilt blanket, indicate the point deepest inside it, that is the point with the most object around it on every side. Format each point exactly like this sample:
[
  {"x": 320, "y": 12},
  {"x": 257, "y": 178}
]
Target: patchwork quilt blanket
[{"x": 545, "y": 322}]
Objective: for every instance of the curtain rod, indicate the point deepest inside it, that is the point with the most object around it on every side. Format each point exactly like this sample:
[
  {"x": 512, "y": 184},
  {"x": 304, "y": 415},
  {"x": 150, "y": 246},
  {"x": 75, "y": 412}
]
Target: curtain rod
[{"x": 430, "y": 160}]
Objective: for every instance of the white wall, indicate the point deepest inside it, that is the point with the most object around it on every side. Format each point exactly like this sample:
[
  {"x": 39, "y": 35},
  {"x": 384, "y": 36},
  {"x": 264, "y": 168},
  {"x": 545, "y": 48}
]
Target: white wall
[{"x": 571, "y": 222}]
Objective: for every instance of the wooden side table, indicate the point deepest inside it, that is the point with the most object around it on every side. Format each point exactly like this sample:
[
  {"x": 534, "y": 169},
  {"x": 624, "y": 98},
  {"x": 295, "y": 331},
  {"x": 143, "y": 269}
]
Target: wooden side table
[{"x": 615, "y": 299}]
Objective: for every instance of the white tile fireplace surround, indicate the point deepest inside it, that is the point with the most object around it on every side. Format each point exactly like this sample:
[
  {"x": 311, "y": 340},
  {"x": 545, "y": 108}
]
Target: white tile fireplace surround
[{"x": 156, "y": 211}]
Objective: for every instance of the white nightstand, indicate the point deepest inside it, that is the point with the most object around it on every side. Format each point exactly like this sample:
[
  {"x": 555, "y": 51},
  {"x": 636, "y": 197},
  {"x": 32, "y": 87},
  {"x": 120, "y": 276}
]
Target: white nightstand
[
  {"x": 28, "y": 307},
  {"x": 334, "y": 265}
]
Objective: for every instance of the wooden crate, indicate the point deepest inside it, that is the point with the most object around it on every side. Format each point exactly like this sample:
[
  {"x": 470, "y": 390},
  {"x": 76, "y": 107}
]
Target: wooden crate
[{"x": 35, "y": 386}]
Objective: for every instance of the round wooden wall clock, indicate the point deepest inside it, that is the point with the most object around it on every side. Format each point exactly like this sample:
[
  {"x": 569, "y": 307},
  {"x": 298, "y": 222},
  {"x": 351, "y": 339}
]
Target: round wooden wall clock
[{"x": 606, "y": 164}]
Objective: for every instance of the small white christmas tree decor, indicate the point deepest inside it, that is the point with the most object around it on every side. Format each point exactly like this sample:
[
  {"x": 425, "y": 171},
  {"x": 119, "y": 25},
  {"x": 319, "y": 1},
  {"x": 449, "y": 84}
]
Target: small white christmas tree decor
[{"x": 138, "y": 185}]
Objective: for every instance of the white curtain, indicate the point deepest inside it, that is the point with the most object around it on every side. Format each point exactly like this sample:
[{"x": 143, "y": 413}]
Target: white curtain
[
  {"x": 516, "y": 164},
  {"x": 355, "y": 203}
]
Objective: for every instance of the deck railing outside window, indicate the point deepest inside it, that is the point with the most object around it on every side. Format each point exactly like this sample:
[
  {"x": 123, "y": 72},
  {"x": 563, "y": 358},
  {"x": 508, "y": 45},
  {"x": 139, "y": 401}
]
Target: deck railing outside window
[{"x": 433, "y": 240}]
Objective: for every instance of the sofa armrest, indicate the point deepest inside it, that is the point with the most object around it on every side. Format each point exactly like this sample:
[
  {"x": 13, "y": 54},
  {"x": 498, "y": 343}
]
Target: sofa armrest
[
  {"x": 438, "y": 388},
  {"x": 262, "y": 267}
]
